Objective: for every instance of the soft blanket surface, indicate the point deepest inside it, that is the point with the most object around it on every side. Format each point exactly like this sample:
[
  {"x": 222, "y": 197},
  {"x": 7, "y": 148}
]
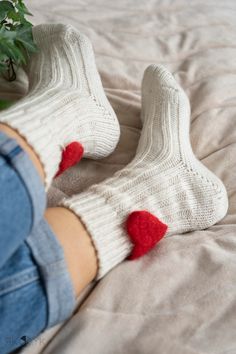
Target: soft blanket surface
[{"x": 180, "y": 298}]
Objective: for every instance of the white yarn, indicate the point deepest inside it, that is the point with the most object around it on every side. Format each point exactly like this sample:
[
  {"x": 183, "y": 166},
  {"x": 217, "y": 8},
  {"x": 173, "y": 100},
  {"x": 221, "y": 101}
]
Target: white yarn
[
  {"x": 66, "y": 101},
  {"x": 165, "y": 178}
]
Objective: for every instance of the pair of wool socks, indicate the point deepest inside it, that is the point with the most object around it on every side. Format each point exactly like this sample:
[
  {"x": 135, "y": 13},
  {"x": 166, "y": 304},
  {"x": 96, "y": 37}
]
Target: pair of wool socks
[{"x": 165, "y": 190}]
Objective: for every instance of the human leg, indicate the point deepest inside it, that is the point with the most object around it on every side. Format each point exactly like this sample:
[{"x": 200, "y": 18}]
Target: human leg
[
  {"x": 164, "y": 184},
  {"x": 78, "y": 249},
  {"x": 34, "y": 273},
  {"x": 23, "y": 302},
  {"x": 66, "y": 111},
  {"x": 79, "y": 252},
  {"x": 73, "y": 98}
]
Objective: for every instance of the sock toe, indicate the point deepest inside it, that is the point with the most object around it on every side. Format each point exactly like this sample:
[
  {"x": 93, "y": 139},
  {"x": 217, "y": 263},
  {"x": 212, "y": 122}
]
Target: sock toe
[{"x": 159, "y": 77}]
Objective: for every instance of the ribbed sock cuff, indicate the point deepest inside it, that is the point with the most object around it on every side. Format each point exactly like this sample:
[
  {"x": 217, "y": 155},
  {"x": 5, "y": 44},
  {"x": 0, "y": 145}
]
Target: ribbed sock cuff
[
  {"x": 105, "y": 227},
  {"x": 39, "y": 138}
]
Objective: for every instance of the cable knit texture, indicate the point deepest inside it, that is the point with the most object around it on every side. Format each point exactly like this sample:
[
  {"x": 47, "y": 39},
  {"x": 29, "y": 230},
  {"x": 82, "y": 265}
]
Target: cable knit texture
[
  {"x": 66, "y": 102},
  {"x": 165, "y": 178}
]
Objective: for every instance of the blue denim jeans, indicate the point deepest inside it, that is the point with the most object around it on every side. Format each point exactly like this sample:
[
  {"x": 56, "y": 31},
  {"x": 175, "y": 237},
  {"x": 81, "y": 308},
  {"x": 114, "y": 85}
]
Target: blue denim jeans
[{"x": 36, "y": 291}]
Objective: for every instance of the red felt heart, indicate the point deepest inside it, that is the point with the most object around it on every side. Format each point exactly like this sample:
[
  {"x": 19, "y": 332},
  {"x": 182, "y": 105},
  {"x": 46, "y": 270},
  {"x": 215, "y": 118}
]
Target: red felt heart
[
  {"x": 144, "y": 230},
  {"x": 71, "y": 155}
]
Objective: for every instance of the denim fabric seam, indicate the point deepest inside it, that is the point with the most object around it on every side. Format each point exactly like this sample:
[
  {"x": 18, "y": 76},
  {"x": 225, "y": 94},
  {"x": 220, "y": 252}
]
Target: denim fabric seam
[
  {"x": 18, "y": 280},
  {"x": 55, "y": 268}
]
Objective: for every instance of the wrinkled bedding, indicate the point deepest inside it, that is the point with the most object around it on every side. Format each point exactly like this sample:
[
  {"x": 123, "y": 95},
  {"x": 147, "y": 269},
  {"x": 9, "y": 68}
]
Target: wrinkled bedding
[{"x": 180, "y": 298}]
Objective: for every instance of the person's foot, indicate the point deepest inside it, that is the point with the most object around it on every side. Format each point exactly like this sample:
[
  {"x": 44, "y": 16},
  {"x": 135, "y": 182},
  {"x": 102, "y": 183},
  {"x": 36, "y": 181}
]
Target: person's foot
[
  {"x": 66, "y": 113},
  {"x": 165, "y": 190}
]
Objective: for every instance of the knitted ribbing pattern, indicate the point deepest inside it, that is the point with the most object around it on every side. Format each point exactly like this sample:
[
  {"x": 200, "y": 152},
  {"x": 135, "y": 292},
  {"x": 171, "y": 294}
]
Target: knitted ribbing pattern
[
  {"x": 66, "y": 101},
  {"x": 165, "y": 178}
]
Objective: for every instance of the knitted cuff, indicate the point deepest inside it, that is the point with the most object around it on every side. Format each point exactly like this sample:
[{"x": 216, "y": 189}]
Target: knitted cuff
[
  {"x": 105, "y": 227},
  {"x": 39, "y": 137}
]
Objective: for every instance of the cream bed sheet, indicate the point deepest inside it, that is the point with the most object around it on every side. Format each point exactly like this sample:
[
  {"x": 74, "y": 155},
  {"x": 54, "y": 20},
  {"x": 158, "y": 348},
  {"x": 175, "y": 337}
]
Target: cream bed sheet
[{"x": 180, "y": 298}]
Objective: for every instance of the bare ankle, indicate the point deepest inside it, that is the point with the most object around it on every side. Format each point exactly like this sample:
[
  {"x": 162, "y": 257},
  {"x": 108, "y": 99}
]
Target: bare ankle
[{"x": 80, "y": 254}]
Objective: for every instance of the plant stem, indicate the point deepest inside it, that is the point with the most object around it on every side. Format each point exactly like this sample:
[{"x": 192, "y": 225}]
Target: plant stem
[{"x": 11, "y": 71}]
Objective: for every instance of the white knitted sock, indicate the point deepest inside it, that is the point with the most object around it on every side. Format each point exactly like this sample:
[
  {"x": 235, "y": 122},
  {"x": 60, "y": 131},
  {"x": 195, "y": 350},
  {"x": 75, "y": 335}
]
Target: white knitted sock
[
  {"x": 164, "y": 179},
  {"x": 66, "y": 101}
]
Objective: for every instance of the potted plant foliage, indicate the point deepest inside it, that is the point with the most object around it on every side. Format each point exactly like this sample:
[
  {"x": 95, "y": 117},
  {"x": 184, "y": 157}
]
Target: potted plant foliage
[{"x": 16, "y": 39}]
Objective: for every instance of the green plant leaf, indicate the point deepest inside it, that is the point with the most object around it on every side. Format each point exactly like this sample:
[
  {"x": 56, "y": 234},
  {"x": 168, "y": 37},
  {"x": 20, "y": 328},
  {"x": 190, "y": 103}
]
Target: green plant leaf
[
  {"x": 5, "y": 7},
  {"x": 3, "y": 67},
  {"x": 6, "y": 34},
  {"x": 22, "y": 8},
  {"x": 5, "y": 104},
  {"x": 3, "y": 62},
  {"x": 16, "y": 38},
  {"x": 15, "y": 16},
  {"x": 3, "y": 57},
  {"x": 12, "y": 51},
  {"x": 25, "y": 37}
]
